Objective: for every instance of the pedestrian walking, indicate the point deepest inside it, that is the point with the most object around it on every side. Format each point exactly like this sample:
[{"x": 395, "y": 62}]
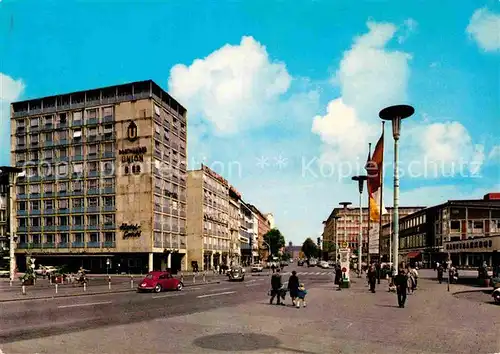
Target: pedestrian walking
[
  {"x": 372, "y": 277},
  {"x": 276, "y": 285},
  {"x": 293, "y": 286},
  {"x": 379, "y": 271},
  {"x": 301, "y": 296},
  {"x": 338, "y": 276},
  {"x": 401, "y": 282},
  {"x": 440, "y": 271}
]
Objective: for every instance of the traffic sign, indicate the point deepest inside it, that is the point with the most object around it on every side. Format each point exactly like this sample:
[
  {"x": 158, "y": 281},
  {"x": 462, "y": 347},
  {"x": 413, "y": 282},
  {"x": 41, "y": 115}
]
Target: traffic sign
[
  {"x": 344, "y": 245},
  {"x": 344, "y": 270}
]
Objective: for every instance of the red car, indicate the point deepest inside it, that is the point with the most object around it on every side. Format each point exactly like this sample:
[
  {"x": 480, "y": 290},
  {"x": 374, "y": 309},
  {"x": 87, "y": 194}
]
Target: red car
[{"x": 158, "y": 281}]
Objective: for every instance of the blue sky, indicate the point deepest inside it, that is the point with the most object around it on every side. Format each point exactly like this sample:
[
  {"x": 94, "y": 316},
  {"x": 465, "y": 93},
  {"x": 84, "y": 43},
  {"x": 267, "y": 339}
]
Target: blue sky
[{"x": 283, "y": 97}]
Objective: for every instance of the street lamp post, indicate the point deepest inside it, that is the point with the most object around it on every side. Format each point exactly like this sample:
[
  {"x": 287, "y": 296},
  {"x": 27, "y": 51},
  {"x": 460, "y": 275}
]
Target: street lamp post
[
  {"x": 269, "y": 247},
  {"x": 396, "y": 114},
  {"x": 12, "y": 173},
  {"x": 361, "y": 180}
]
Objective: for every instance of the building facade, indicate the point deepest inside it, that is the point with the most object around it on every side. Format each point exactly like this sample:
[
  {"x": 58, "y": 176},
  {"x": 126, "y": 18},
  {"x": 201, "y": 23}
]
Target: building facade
[
  {"x": 105, "y": 183},
  {"x": 263, "y": 227},
  {"x": 346, "y": 227},
  {"x": 465, "y": 231},
  {"x": 234, "y": 226},
  {"x": 4, "y": 214},
  {"x": 270, "y": 219},
  {"x": 209, "y": 235},
  {"x": 246, "y": 234}
]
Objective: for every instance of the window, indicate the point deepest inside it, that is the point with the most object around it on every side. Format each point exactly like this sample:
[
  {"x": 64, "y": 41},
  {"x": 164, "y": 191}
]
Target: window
[
  {"x": 77, "y": 203},
  {"x": 63, "y": 152},
  {"x": 77, "y": 167},
  {"x": 77, "y": 134},
  {"x": 62, "y": 186},
  {"x": 35, "y": 205},
  {"x": 49, "y": 221},
  {"x": 109, "y": 182},
  {"x": 35, "y": 188},
  {"x": 92, "y": 132},
  {"x": 108, "y": 129},
  {"x": 48, "y": 154},
  {"x": 77, "y": 116},
  {"x": 94, "y": 237},
  {"x": 77, "y": 186},
  {"x": 109, "y": 219},
  {"x": 62, "y": 203},
  {"x": 91, "y": 113},
  {"x": 63, "y": 118},
  {"x": 63, "y": 220},
  {"x": 157, "y": 110},
  {"x": 48, "y": 188},
  {"x": 48, "y": 137},
  {"x": 93, "y": 202},
  {"x": 157, "y": 128},
  {"x": 108, "y": 201},
  {"x": 21, "y": 206},
  {"x": 21, "y": 189},
  {"x": 78, "y": 150},
  {"x": 93, "y": 166},
  {"x": 108, "y": 147},
  {"x": 62, "y": 170},
  {"x": 35, "y": 222},
  {"x": 78, "y": 238},
  {"x": 48, "y": 204},
  {"x": 109, "y": 237},
  {"x": 107, "y": 167},
  {"x": 62, "y": 135},
  {"x": 93, "y": 220},
  {"x": 21, "y": 140},
  {"x": 64, "y": 238},
  {"x": 34, "y": 122},
  {"x": 107, "y": 112},
  {"x": 47, "y": 120},
  {"x": 455, "y": 226},
  {"x": 34, "y": 138},
  {"x": 93, "y": 149},
  {"x": 92, "y": 184}
]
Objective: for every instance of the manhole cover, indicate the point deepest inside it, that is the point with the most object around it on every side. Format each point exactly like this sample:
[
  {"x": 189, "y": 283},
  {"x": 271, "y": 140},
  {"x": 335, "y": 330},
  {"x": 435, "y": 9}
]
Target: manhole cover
[{"x": 234, "y": 342}]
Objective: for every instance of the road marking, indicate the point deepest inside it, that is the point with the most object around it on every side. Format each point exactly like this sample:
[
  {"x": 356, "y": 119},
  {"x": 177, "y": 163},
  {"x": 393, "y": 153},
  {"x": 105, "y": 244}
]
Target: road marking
[
  {"x": 168, "y": 295},
  {"x": 222, "y": 289},
  {"x": 249, "y": 285},
  {"x": 87, "y": 304},
  {"x": 248, "y": 281},
  {"x": 217, "y": 294},
  {"x": 186, "y": 289}
]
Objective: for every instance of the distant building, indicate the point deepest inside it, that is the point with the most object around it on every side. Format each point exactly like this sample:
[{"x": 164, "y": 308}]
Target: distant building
[
  {"x": 465, "y": 231},
  {"x": 263, "y": 227},
  {"x": 293, "y": 251}
]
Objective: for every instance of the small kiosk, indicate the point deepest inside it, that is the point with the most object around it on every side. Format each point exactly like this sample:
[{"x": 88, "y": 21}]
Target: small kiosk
[{"x": 345, "y": 258}]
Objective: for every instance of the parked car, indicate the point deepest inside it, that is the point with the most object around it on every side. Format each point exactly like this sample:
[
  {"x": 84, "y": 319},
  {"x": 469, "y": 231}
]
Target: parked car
[
  {"x": 159, "y": 281},
  {"x": 300, "y": 262},
  {"x": 4, "y": 273},
  {"x": 45, "y": 270},
  {"x": 257, "y": 268}
]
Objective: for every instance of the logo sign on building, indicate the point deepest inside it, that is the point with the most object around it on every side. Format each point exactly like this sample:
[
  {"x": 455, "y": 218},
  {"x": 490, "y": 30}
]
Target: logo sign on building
[
  {"x": 133, "y": 154},
  {"x": 132, "y": 132},
  {"x": 130, "y": 230}
]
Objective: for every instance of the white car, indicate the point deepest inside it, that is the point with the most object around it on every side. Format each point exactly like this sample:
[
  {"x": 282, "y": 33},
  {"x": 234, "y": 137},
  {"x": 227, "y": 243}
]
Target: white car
[
  {"x": 323, "y": 265},
  {"x": 45, "y": 270},
  {"x": 257, "y": 268}
]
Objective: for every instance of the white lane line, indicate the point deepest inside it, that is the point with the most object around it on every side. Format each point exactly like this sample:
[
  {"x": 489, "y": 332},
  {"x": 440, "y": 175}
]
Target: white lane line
[
  {"x": 221, "y": 289},
  {"x": 216, "y": 294},
  {"x": 249, "y": 285},
  {"x": 248, "y": 281},
  {"x": 186, "y": 289},
  {"x": 168, "y": 295},
  {"x": 87, "y": 304}
]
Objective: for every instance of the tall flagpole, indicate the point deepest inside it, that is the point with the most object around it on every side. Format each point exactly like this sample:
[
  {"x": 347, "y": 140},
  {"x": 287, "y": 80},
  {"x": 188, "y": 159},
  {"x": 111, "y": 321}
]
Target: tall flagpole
[
  {"x": 381, "y": 206},
  {"x": 369, "y": 207}
]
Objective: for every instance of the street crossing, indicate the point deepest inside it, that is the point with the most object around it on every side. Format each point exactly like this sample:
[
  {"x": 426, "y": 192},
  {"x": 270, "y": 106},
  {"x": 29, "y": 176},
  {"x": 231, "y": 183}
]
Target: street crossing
[{"x": 311, "y": 273}]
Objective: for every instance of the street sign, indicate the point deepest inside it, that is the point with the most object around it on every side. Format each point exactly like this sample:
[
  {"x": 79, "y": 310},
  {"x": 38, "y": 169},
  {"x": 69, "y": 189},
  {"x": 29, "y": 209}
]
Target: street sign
[
  {"x": 345, "y": 245},
  {"x": 344, "y": 269}
]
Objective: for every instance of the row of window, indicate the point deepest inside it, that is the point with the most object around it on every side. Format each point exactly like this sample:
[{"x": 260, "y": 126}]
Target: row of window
[
  {"x": 75, "y": 220},
  {"x": 65, "y": 203},
  {"x": 75, "y": 134},
  {"x": 471, "y": 244},
  {"x": 474, "y": 226},
  {"x": 64, "y": 117},
  {"x": 167, "y": 119},
  {"x": 75, "y": 152},
  {"x": 413, "y": 241},
  {"x": 75, "y": 186},
  {"x": 79, "y": 237}
]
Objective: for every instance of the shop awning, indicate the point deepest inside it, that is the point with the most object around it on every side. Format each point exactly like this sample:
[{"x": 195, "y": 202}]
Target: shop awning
[{"x": 414, "y": 254}]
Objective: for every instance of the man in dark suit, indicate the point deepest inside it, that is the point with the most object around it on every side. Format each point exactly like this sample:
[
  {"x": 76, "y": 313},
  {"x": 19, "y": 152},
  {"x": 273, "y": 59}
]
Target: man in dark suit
[{"x": 401, "y": 282}]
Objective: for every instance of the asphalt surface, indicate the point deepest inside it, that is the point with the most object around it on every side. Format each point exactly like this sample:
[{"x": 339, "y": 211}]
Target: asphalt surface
[{"x": 31, "y": 319}]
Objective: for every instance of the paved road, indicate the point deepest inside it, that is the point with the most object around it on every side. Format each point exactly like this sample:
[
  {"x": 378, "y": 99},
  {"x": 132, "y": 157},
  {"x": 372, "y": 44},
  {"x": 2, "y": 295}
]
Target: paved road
[{"x": 236, "y": 317}]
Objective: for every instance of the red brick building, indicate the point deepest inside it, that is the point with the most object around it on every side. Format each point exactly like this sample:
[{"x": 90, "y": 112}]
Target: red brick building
[{"x": 263, "y": 227}]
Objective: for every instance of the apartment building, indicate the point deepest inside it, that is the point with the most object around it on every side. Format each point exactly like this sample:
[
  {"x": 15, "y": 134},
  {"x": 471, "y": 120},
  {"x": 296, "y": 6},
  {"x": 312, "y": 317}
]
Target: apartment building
[
  {"x": 105, "y": 184},
  {"x": 263, "y": 227},
  {"x": 234, "y": 226},
  {"x": 209, "y": 235},
  {"x": 248, "y": 244},
  {"x": 4, "y": 213},
  {"x": 346, "y": 226},
  {"x": 465, "y": 231}
]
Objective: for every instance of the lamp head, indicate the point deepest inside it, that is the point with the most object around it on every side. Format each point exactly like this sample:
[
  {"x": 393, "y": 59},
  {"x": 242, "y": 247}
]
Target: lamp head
[{"x": 395, "y": 114}]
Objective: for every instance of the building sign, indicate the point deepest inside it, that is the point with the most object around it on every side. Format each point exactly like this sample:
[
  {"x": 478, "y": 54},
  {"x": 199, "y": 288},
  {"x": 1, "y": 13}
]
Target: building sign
[
  {"x": 214, "y": 175},
  {"x": 132, "y": 132},
  {"x": 130, "y": 230},
  {"x": 133, "y": 154}
]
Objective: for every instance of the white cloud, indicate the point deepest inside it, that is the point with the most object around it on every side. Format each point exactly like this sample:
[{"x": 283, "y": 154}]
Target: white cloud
[
  {"x": 495, "y": 154},
  {"x": 409, "y": 26},
  {"x": 484, "y": 28},
  {"x": 234, "y": 88},
  {"x": 10, "y": 90},
  {"x": 372, "y": 77}
]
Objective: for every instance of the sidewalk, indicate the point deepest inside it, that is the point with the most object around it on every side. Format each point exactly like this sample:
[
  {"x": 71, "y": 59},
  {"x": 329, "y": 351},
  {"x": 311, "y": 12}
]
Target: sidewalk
[{"x": 37, "y": 292}]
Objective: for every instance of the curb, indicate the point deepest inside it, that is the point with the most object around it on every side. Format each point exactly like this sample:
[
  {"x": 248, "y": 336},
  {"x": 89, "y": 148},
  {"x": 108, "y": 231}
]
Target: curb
[{"x": 96, "y": 293}]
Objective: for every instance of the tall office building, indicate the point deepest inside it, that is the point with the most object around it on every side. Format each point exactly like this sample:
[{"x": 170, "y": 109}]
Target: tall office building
[
  {"x": 209, "y": 233},
  {"x": 105, "y": 184}
]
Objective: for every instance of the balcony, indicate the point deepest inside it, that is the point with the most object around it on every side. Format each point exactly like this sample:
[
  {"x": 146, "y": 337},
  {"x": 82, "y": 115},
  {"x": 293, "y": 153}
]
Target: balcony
[
  {"x": 78, "y": 158},
  {"x": 93, "y": 174},
  {"x": 49, "y": 228},
  {"x": 78, "y": 227},
  {"x": 108, "y": 154},
  {"x": 93, "y": 209},
  {"x": 108, "y": 208},
  {"x": 63, "y": 211},
  {"x": 109, "y": 244},
  {"x": 77, "y": 123},
  {"x": 23, "y": 246},
  {"x": 63, "y": 245},
  {"x": 109, "y": 227},
  {"x": 49, "y": 245},
  {"x": 61, "y": 142},
  {"x": 108, "y": 190},
  {"x": 49, "y": 211},
  {"x": 22, "y": 212},
  {"x": 92, "y": 227},
  {"x": 22, "y": 229},
  {"x": 63, "y": 227},
  {"x": 34, "y": 195},
  {"x": 22, "y": 196},
  {"x": 108, "y": 119},
  {"x": 35, "y": 245},
  {"x": 93, "y": 191},
  {"x": 158, "y": 244},
  {"x": 92, "y": 121},
  {"x": 78, "y": 244},
  {"x": 35, "y": 228},
  {"x": 94, "y": 244},
  {"x": 77, "y": 210}
]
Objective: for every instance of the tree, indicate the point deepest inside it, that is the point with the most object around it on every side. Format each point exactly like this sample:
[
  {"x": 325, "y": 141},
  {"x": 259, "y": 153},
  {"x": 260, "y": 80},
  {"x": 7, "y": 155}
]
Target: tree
[
  {"x": 275, "y": 239},
  {"x": 309, "y": 248}
]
